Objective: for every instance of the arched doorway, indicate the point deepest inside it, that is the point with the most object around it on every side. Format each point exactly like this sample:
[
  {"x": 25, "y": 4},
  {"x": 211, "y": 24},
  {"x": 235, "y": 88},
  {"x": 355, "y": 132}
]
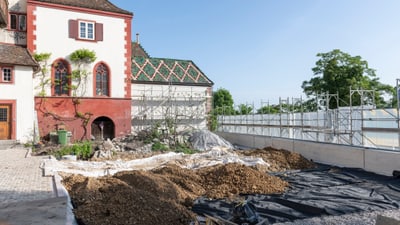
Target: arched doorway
[{"x": 103, "y": 128}]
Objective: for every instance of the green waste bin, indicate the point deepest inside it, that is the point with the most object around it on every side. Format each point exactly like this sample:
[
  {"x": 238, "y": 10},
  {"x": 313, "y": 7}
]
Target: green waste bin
[{"x": 62, "y": 137}]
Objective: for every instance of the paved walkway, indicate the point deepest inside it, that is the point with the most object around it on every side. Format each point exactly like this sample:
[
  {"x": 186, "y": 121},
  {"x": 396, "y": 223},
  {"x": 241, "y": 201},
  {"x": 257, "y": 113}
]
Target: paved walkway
[
  {"x": 26, "y": 196},
  {"x": 21, "y": 177}
]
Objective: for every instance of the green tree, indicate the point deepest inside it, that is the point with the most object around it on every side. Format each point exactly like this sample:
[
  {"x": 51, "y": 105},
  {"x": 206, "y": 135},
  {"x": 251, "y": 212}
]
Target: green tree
[
  {"x": 337, "y": 72},
  {"x": 244, "y": 109},
  {"x": 223, "y": 102},
  {"x": 270, "y": 109},
  {"x": 223, "y": 105}
]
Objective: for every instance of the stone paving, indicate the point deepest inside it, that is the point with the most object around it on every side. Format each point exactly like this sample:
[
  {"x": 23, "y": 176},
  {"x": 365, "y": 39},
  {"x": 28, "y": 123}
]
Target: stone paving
[{"x": 21, "y": 177}]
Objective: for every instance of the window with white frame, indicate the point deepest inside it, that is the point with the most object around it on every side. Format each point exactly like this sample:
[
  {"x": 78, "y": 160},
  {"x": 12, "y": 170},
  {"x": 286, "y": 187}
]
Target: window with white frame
[
  {"x": 6, "y": 75},
  {"x": 86, "y": 30}
]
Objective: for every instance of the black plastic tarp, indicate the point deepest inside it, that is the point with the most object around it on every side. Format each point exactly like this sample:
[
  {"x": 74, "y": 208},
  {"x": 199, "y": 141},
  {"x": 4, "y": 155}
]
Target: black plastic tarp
[{"x": 320, "y": 192}]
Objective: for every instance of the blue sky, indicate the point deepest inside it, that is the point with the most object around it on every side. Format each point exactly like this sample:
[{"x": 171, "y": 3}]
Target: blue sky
[{"x": 261, "y": 50}]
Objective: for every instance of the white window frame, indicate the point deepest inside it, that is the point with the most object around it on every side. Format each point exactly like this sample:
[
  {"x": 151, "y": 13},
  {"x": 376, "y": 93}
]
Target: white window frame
[
  {"x": 86, "y": 30},
  {"x": 9, "y": 75}
]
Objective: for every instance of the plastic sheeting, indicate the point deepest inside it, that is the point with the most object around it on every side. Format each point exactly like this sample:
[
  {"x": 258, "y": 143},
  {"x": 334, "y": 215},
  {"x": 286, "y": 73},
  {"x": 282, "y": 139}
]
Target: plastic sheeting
[
  {"x": 322, "y": 192},
  {"x": 205, "y": 140},
  {"x": 194, "y": 161}
]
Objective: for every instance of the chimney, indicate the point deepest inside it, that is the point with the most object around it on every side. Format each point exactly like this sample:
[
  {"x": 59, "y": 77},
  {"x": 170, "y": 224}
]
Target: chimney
[{"x": 137, "y": 38}]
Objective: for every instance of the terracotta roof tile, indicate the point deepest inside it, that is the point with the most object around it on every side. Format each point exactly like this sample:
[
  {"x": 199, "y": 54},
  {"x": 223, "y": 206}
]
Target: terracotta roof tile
[
  {"x": 138, "y": 50},
  {"x": 16, "y": 55},
  {"x": 102, "y": 5}
]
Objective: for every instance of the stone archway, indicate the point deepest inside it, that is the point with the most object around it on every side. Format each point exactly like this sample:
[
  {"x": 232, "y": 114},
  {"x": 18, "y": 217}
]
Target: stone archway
[{"x": 103, "y": 128}]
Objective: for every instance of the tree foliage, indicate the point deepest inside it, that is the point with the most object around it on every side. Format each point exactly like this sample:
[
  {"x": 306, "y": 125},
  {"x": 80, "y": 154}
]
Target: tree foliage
[
  {"x": 270, "y": 109},
  {"x": 244, "y": 109},
  {"x": 223, "y": 102},
  {"x": 337, "y": 72}
]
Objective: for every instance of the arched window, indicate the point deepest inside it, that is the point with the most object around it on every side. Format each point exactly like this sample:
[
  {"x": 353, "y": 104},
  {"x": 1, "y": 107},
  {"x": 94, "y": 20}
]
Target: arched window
[
  {"x": 102, "y": 80},
  {"x": 61, "y": 78}
]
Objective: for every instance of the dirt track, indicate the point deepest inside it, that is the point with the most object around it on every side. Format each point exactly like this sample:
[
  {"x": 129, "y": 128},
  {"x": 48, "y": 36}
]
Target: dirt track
[{"x": 164, "y": 195}]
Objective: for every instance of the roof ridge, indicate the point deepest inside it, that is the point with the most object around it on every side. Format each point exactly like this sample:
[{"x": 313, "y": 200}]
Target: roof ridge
[
  {"x": 101, "y": 5},
  {"x": 162, "y": 58}
]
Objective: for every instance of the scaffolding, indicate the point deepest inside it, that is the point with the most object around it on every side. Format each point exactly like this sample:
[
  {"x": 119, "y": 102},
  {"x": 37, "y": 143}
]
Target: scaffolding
[
  {"x": 169, "y": 106},
  {"x": 360, "y": 125}
]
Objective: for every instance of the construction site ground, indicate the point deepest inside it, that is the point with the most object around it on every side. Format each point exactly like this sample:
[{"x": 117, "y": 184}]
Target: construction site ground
[
  {"x": 174, "y": 188},
  {"x": 165, "y": 195},
  {"x": 177, "y": 187}
]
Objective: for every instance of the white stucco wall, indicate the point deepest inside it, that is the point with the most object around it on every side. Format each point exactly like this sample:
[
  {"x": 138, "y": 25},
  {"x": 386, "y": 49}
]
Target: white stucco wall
[
  {"x": 155, "y": 102},
  {"x": 53, "y": 37},
  {"x": 22, "y": 92}
]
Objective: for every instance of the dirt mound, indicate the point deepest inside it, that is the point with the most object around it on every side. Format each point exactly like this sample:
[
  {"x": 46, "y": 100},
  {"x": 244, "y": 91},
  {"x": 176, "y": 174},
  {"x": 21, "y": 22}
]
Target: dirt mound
[
  {"x": 165, "y": 195},
  {"x": 161, "y": 196},
  {"x": 232, "y": 179},
  {"x": 280, "y": 160},
  {"x": 127, "y": 198},
  {"x": 188, "y": 180}
]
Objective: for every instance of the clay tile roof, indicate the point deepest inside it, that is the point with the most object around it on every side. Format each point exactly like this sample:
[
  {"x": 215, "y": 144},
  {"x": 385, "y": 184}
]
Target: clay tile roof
[
  {"x": 138, "y": 50},
  {"x": 102, "y": 5},
  {"x": 160, "y": 70},
  {"x": 16, "y": 55}
]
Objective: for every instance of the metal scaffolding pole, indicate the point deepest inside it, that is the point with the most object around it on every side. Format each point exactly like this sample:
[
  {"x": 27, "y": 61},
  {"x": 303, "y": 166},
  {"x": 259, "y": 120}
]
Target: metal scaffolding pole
[{"x": 398, "y": 107}]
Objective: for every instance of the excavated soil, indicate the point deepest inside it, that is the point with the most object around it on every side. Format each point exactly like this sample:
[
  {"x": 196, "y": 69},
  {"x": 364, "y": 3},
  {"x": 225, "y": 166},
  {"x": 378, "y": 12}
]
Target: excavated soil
[
  {"x": 165, "y": 195},
  {"x": 280, "y": 160}
]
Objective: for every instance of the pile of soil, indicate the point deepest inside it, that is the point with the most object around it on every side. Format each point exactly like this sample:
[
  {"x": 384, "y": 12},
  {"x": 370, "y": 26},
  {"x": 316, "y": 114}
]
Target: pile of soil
[
  {"x": 161, "y": 196},
  {"x": 134, "y": 197},
  {"x": 280, "y": 160},
  {"x": 231, "y": 180}
]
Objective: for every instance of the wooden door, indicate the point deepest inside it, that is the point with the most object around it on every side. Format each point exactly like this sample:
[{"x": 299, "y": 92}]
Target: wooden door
[{"x": 5, "y": 122}]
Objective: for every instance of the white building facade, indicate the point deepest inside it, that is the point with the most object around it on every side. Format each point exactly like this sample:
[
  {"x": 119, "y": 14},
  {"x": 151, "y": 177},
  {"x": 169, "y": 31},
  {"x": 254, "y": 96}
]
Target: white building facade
[{"x": 16, "y": 71}]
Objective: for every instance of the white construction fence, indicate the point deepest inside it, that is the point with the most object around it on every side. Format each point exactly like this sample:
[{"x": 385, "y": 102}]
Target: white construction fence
[{"x": 354, "y": 126}]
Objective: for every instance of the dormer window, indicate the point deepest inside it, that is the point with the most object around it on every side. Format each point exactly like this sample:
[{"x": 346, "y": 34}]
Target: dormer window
[
  {"x": 17, "y": 22},
  {"x": 86, "y": 30}
]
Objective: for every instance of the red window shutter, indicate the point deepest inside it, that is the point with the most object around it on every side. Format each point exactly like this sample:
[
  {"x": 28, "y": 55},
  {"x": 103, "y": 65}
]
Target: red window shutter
[
  {"x": 99, "y": 32},
  {"x": 73, "y": 28}
]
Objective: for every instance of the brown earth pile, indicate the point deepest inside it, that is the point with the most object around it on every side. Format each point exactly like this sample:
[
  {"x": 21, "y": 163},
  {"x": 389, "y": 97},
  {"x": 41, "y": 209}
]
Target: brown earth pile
[
  {"x": 280, "y": 160},
  {"x": 232, "y": 179},
  {"x": 164, "y": 195},
  {"x": 134, "y": 197}
]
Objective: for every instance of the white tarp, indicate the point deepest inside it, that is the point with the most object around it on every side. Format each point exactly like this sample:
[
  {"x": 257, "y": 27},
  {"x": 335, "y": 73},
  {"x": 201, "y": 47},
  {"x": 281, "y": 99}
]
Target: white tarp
[
  {"x": 205, "y": 140},
  {"x": 194, "y": 161}
]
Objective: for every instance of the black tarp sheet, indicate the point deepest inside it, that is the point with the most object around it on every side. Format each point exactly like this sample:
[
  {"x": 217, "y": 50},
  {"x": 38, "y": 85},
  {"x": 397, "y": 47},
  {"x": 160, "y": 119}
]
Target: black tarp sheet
[{"x": 324, "y": 191}]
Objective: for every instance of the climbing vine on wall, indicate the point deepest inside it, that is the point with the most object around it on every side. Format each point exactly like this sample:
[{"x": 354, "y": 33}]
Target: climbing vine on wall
[
  {"x": 81, "y": 60},
  {"x": 42, "y": 74}
]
